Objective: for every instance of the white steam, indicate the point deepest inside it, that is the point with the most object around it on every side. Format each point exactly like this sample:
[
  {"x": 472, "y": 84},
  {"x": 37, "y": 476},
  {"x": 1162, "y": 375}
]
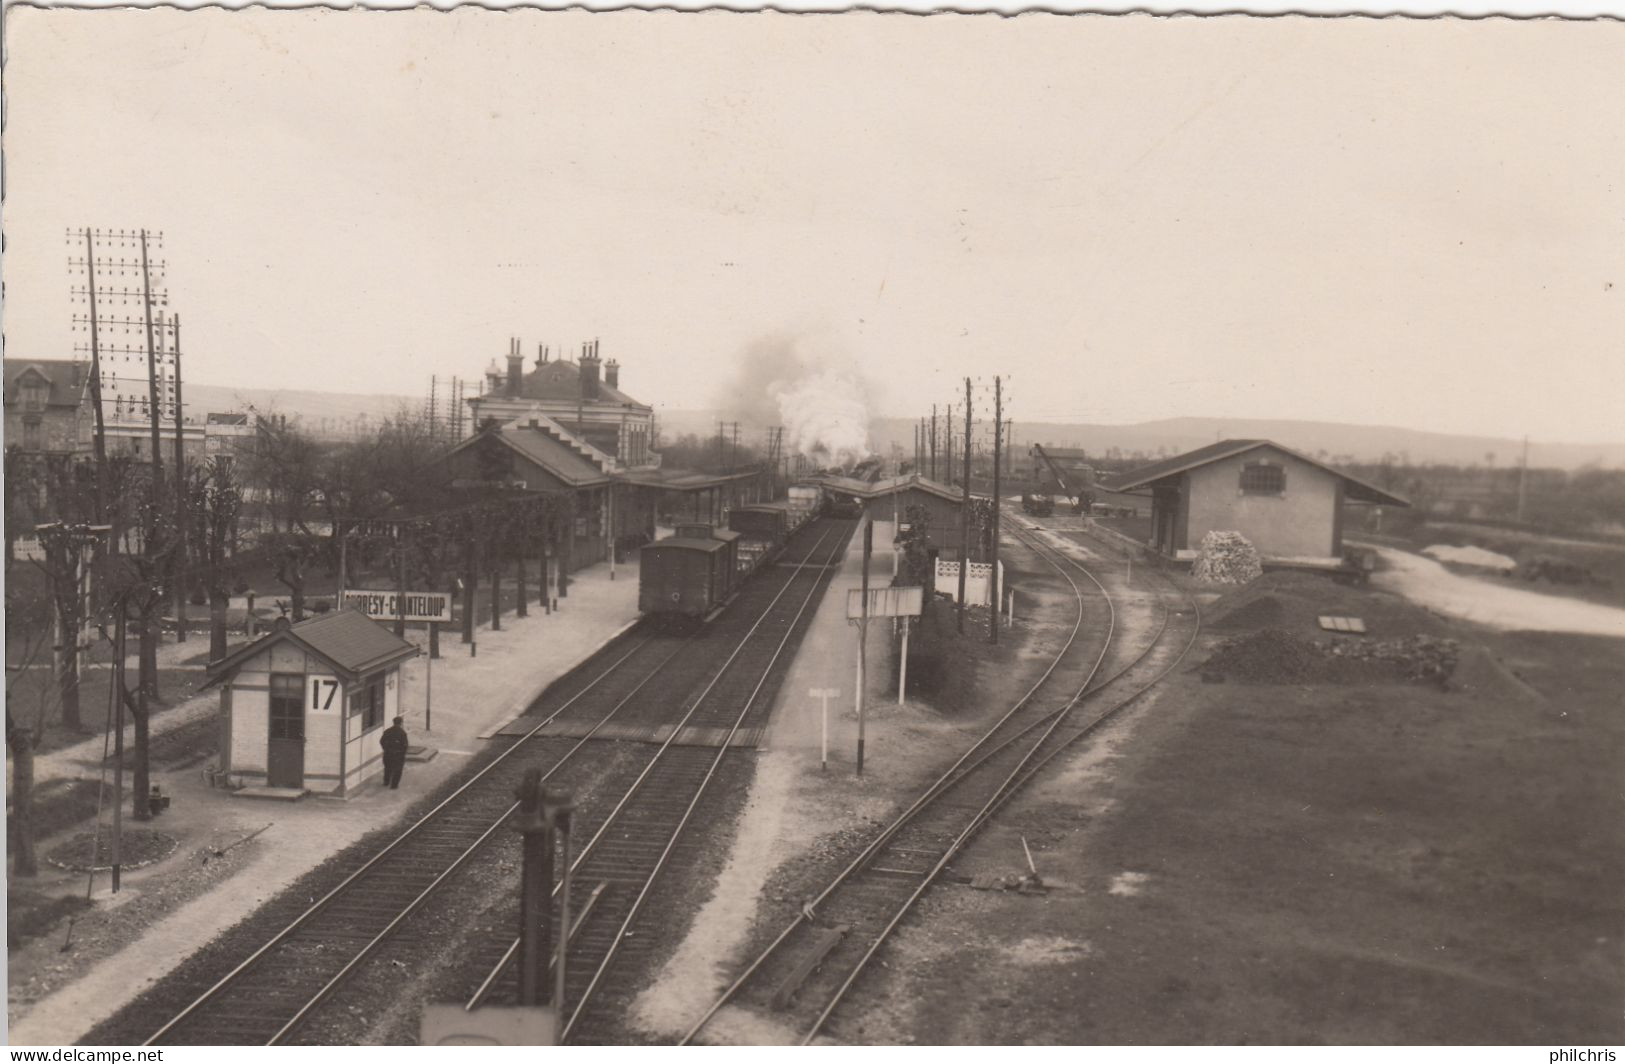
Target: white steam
[{"x": 818, "y": 396}]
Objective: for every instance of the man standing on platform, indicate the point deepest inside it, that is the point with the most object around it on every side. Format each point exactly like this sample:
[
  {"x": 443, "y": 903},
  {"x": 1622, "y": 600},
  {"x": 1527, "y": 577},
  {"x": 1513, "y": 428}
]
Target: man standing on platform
[{"x": 394, "y": 744}]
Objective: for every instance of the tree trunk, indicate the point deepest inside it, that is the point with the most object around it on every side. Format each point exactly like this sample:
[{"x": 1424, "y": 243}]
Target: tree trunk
[
  {"x": 297, "y": 595},
  {"x": 568, "y": 553},
  {"x": 521, "y": 607},
  {"x": 496, "y": 597},
  {"x": 470, "y": 576},
  {"x": 150, "y": 638},
  {"x": 22, "y": 801},
  {"x": 67, "y": 658},
  {"x": 219, "y": 602},
  {"x": 141, "y": 713}
]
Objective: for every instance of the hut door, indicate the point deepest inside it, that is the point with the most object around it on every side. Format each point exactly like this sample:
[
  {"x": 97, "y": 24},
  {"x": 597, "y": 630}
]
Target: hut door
[{"x": 285, "y": 746}]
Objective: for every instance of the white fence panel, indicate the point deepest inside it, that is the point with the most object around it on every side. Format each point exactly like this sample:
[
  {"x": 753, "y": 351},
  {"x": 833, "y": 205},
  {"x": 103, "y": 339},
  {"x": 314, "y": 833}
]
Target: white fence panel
[{"x": 977, "y": 585}]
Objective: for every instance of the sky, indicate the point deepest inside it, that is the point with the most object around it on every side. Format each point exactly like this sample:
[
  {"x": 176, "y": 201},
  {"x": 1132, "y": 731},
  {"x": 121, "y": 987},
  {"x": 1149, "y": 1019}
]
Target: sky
[{"x": 1415, "y": 223}]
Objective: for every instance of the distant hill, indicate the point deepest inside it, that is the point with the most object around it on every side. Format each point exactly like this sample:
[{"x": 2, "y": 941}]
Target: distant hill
[{"x": 1360, "y": 443}]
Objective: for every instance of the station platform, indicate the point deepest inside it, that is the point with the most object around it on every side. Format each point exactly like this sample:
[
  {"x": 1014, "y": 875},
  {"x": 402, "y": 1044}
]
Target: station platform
[
  {"x": 828, "y": 659},
  {"x": 473, "y": 696}
]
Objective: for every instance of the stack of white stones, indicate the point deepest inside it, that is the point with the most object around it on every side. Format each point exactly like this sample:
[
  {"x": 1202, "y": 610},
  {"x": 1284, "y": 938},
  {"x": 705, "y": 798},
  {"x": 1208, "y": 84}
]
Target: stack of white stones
[{"x": 1226, "y": 558}]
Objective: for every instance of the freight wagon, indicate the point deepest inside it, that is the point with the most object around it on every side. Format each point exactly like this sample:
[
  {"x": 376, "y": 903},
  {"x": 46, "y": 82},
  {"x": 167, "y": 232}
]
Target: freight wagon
[
  {"x": 806, "y": 501},
  {"x": 685, "y": 576}
]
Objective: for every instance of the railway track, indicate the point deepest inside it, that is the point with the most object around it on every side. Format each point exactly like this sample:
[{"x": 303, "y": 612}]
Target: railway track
[
  {"x": 269, "y": 996},
  {"x": 814, "y": 963},
  {"x": 627, "y": 852}
]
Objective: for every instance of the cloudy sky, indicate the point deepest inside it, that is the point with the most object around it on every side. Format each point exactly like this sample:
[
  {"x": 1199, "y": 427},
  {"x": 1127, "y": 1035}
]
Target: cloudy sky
[{"x": 1417, "y": 223}]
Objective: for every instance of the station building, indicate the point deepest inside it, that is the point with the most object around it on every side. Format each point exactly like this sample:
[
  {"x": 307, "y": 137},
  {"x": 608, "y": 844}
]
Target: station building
[
  {"x": 581, "y": 397},
  {"x": 302, "y": 707},
  {"x": 1288, "y": 505}
]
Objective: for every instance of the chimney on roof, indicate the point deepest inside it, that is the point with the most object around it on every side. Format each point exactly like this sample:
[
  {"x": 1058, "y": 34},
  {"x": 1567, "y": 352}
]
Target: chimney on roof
[
  {"x": 590, "y": 365},
  {"x": 516, "y": 368},
  {"x": 612, "y": 373},
  {"x": 541, "y": 355}
]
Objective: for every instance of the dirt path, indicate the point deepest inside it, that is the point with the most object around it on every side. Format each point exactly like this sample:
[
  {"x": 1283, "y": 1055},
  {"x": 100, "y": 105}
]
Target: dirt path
[{"x": 1430, "y": 584}]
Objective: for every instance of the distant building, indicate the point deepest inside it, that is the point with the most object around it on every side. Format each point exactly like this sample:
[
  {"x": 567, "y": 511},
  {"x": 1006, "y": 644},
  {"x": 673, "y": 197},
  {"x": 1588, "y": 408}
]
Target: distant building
[
  {"x": 48, "y": 405},
  {"x": 1289, "y": 505},
  {"x": 1073, "y": 462},
  {"x": 583, "y": 397},
  {"x": 49, "y": 412}
]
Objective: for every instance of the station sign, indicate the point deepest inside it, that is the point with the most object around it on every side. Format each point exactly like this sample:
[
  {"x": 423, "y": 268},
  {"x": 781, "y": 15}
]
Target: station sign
[
  {"x": 886, "y": 602},
  {"x": 386, "y": 605}
]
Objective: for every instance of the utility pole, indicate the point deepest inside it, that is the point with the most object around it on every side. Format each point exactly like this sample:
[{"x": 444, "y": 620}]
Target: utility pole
[
  {"x": 152, "y": 373},
  {"x": 933, "y": 441},
  {"x": 863, "y": 634},
  {"x": 964, "y": 524},
  {"x": 993, "y": 572},
  {"x": 1523, "y": 478},
  {"x": 179, "y": 564}
]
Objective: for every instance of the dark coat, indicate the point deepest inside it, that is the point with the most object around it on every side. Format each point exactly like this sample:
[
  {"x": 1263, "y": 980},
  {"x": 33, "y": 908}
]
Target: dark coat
[{"x": 394, "y": 742}]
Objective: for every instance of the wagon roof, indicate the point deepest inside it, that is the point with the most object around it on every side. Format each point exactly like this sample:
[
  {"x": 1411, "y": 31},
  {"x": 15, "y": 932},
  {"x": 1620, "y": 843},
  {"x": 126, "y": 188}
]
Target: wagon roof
[{"x": 688, "y": 543}]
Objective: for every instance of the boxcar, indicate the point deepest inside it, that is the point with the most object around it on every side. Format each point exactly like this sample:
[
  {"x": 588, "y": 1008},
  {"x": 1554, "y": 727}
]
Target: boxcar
[
  {"x": 685, "y": 577},
  {"x": 845, "y": 505},
  {"x": 763, "y": 521},
  {"x": 806, "y": 501}
]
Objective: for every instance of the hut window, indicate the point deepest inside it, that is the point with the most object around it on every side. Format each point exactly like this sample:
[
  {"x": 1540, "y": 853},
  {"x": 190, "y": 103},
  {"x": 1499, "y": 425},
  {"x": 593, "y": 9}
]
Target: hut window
[
  {"x": 368, "y": 704},
  {"x": 287, "y": 706},
  {"x": 1261, "y": 478}
]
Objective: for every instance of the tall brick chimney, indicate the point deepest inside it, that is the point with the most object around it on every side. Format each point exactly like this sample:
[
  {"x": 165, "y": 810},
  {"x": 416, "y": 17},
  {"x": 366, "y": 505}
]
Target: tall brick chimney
[
  {"x": 612, "y": 373},
  {"x": 516, "y": 368},
  {"x": 590, "y": 365}
]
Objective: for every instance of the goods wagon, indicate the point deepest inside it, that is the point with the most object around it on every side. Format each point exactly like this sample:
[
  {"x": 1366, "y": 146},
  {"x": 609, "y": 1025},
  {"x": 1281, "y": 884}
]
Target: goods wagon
[
  {"x": 806, "y": 501},
  {"x": 763, "y": 530},
  {"x": 685, "y": 577},
  {"x": 764, "y": 521},
  {"x": 848, "y": 506}
]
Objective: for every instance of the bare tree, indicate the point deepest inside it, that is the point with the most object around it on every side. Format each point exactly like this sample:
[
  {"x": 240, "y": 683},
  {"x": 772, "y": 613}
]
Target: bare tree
[{"x": 214, "y": 501}]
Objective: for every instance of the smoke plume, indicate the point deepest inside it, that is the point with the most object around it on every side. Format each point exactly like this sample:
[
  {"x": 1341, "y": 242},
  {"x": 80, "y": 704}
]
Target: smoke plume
[{"x": 815, "y": 392}]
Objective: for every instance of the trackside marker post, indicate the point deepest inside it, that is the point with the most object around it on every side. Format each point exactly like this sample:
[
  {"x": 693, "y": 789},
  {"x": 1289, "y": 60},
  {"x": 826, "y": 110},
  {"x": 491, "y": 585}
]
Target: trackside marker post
[{"x": 824, "y": 693}]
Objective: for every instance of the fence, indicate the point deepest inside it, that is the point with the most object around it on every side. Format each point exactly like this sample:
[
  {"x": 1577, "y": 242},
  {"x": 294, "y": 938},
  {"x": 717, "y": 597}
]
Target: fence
[{"x": 977, "y": 587}]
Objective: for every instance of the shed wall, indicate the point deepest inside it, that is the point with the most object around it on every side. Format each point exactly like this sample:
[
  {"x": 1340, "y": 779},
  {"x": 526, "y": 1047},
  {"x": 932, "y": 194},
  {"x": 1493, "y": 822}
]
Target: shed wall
[{"x": 1299, "y": 523}]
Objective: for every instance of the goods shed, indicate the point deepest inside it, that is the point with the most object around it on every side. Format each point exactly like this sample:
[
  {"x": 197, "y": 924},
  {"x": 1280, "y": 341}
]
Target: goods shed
[
  {"x": 302, "y": 708},
  {"x": 1288, "y": 505}
]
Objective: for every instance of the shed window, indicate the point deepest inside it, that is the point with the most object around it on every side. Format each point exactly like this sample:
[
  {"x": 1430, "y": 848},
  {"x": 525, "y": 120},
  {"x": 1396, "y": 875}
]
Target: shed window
[
  {"x": 1259, "y": 478},
  {"x": 288, "y": 706},
  {"x": 368, "y": 704}
]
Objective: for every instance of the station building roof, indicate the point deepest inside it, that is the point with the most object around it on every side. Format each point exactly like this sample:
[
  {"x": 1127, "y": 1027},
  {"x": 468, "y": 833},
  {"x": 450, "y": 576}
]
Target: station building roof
[{"x": 348, "y": 640}]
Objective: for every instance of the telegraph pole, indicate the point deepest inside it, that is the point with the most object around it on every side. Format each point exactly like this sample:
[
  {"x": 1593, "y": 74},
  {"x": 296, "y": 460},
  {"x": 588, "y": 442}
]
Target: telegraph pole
[
  {"x": 933, "y": 441},
  {"x": 179, "y": 564},
  {"x": 1523, "y": 478},
  {"x": 993, "y": 573},
  {"x": 964, "y": 524}
]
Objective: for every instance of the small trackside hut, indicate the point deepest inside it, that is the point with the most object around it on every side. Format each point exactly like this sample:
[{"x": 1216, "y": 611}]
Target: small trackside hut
[{"x": 302, "y": 708}]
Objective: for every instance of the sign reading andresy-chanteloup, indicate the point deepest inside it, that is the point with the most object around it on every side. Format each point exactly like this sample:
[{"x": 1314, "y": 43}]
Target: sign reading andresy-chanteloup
[{"x": 420, "y": 605}]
